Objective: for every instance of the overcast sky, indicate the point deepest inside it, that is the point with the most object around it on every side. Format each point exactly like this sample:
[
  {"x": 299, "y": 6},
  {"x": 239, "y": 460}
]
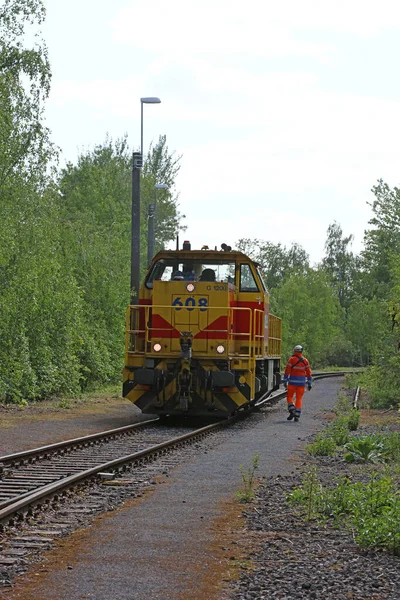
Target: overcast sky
[{"x": 285, "y": 112}]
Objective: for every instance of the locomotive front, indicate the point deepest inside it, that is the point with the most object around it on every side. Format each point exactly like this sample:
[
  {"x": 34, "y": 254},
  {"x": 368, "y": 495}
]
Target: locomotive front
[{"x": 201, "y": 340}]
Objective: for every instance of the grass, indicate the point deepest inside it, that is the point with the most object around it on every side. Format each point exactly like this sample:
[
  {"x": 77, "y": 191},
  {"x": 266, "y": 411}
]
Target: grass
[
  {"x": 246, "y": 494},
  {"x": 369, "y": 509}
]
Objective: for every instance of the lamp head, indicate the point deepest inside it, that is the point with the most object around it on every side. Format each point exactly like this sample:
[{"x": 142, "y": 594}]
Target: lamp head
[
  {"x": 150, "y": 100},
  {"x": 160, "y": 186}
]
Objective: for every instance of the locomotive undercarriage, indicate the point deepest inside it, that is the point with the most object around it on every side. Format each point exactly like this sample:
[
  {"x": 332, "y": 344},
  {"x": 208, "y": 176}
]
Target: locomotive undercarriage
[{"x": 198, "y": 386}]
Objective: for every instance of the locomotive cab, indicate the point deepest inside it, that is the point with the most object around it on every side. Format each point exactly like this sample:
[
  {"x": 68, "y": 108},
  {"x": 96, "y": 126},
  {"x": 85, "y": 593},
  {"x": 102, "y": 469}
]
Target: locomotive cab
[{"x": 201, "y": 340}]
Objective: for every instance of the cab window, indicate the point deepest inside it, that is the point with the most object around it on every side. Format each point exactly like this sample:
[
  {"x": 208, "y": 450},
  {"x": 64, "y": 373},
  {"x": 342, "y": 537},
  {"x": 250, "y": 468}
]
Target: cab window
[
  {"x": 191, "y": 270},
  {"x": 247, "y": 281}
]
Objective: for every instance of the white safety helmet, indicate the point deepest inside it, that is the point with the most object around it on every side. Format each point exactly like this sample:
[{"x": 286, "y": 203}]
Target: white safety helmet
[{"x": 298, "y": 348}]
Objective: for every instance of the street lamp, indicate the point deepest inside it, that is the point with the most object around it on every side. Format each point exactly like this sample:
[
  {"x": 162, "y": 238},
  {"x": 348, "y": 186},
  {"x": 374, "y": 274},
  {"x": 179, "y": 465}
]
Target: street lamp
[
  {"x": 137, "y": 163},
  {"x": 152, "y": 212},
  {"x": 145, "y": 101}
]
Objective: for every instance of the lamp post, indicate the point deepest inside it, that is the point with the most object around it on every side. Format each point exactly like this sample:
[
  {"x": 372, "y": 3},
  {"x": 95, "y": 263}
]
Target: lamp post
[
  {"x": 152, "y": 212},
  {"x": 137, "y": 163},
  {"x": 145, "y": 101}
]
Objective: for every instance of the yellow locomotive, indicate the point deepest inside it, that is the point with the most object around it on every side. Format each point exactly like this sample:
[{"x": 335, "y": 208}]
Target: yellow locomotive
[{"x": 201, "y": 341}]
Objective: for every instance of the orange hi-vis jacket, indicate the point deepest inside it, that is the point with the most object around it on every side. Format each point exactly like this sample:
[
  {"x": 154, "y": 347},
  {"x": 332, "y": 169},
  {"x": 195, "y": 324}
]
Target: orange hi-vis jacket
[{"x": 297, "y": 371}]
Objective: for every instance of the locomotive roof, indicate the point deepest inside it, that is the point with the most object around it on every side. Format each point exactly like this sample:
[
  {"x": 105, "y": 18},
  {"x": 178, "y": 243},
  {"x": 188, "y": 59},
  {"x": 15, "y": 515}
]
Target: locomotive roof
[{"x": 206, "y": 255}]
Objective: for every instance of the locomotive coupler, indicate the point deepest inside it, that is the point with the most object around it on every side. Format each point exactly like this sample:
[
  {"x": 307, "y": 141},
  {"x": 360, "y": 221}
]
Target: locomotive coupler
[
  {"x": 185, "y": 341},
  {"x": 185, "y": 375}
]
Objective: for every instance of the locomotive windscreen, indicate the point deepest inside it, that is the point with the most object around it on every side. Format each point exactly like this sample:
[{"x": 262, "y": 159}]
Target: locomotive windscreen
[{"x": 191, "y": 270}]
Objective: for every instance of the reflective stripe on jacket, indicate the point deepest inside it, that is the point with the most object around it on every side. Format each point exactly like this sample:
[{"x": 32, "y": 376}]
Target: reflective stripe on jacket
[{"x": 298, "y": 371}]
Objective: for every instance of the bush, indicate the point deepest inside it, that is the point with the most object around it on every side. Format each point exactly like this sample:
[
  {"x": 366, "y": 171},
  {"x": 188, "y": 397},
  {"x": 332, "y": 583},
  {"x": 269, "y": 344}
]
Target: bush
[
  {"x": 371, "y": 511},
  {"x": 339, "y": 430},
  {"x": 341, "y": 352},
  {"x": 382, "y": 382},
  {"x": 353, "y": 420},
  {"x": 323, "y": 446}
]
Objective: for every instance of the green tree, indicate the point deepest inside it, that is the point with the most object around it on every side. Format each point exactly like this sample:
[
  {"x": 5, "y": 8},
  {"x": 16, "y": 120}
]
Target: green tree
[
  {"x": 276, "y": 262},
  {"x": 24, "y": 86},
  {"x": 381, "y": 242},
  {"x": 340, "y": 264},
  {"x": 367, "y": 328},
  {"x": 161, "y": 167},
  {"x": 95, "y": 205},
  {"x": 40, "y": 304},
  {"x": 310, "y": 313}
]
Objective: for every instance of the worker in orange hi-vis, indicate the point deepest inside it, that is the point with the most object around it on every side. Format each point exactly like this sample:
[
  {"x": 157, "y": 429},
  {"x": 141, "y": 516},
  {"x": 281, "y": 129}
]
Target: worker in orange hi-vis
[{"x": 296, "y": 377}]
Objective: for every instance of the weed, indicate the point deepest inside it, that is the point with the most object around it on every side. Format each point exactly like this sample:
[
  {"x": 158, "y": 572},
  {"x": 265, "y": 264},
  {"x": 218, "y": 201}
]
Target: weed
[
  {"x": 307, "y": 493},
  {"x": 343, "y": 405},
  {"x": 369, "y": 448},
  {"x": 339, "y": 431},
  {"x": 64, "y": 403},
  {"x": 371, "y": 511},
  {"x": 323, "y": 446},
  {"x": 353, "y": 420},
  {"x": 247, "y": 493}
]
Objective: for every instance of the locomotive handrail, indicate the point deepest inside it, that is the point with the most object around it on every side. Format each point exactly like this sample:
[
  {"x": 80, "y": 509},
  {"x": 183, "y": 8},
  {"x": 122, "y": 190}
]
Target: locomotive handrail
[{"x": 255, "y": 340}]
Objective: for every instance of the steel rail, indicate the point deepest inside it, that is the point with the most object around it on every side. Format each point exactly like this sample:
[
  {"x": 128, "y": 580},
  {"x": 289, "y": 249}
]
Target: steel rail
[
  {"x": 38, "y": 452},
  {"x": 42, "y": 452},
  {"x": 41, "y": 494},
  {"x": 264, "y": 399},
  {"x": 15, "y": 505}
]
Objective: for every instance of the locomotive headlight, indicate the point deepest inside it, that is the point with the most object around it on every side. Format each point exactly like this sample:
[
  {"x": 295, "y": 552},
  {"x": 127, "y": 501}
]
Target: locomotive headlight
[
  {"x": 220, "y": 349},
  {"x": 190, "y": 287},
  {"x": 157, "y": 347}
]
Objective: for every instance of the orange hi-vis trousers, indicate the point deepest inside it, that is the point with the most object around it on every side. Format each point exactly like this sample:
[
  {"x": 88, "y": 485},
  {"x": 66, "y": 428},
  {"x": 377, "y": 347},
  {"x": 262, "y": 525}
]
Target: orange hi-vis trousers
[{"x": 295, "y": 395}]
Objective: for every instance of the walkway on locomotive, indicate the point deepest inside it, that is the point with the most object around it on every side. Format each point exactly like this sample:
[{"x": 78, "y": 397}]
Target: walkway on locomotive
[{"x": 222, "y": 300}]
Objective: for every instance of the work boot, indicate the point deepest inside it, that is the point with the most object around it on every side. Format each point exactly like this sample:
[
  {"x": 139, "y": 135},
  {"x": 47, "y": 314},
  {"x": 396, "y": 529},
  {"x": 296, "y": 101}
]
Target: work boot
[
  {"x": 296, "y": 419},
  {"x": 291, "y": 410},
  {"x": 297, "y": 414}
]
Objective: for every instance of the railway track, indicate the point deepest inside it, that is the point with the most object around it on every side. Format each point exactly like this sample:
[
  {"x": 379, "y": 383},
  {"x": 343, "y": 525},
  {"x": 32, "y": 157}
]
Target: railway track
[
  {"x": 45, "y": 491},
  {"x": 33, "y": 476}
]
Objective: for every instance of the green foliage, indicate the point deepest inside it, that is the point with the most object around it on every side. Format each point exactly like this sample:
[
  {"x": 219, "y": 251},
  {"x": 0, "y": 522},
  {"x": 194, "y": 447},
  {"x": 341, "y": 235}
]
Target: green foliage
[
  {"x": 340, "y": 264},
  {"x": 323, "y": 446},
  {"x": 307, "y": 493},
  {"x": 369, "y": 448},
  {"x": 341, "y": 352},
  {"x": 381, "y": 381},
  {"x": 161, "y": 166},
  {"x": 247, "y": 492},
  {"x": 95, "y": 202},
  {"x": 337, "y": 434},
  {"x": 309, "y": 312},
  {"x": 338, "y": 431},
  {"x": 370, "y": 510},
  {"x": 40, "y": 303},
  {"x": 353, "y": 420},
  {"x": 343, "y": 404},
  {"x": 276, "y": 262},
  {"x": 393, "y": 446}
]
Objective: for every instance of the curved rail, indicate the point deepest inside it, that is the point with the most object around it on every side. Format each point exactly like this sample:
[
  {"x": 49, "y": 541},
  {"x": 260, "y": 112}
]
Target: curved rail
[
  {"x": 22, "y": 502},
  {"x": 44, "y": 451},
  {"x": 55, "y": 488},
  {"x": 264, "y": 399}
]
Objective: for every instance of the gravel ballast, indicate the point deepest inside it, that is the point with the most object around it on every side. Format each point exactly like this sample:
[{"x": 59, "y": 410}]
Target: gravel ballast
[{"x": 301, "y": 560}]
